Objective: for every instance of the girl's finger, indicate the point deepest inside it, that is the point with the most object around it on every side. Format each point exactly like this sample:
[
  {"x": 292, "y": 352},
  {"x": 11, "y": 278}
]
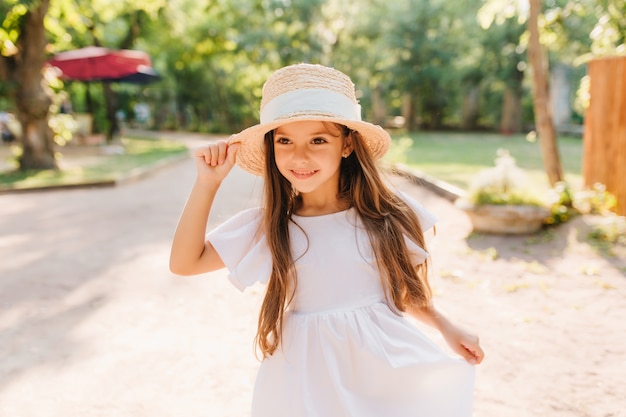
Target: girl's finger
[
  {"x": 204, "y": 154},
  {"x": 473, "y": 353},
  {"x": 221, "y": 151}
]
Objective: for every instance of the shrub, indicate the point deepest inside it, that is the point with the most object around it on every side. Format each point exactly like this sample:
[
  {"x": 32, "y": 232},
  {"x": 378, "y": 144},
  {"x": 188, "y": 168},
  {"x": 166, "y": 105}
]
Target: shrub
[{"x": 503, "y": 184}]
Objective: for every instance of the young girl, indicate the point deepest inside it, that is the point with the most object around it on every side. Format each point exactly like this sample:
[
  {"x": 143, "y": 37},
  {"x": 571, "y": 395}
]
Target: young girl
[{"x": 342, "y": 255}]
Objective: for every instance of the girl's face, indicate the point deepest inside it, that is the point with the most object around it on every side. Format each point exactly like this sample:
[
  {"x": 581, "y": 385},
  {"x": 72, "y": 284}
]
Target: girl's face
[{"x": 308, "y": 155}]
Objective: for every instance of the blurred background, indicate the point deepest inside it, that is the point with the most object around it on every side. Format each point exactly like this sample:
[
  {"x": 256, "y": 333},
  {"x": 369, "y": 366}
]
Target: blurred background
[{"x": 418, "y": 64}]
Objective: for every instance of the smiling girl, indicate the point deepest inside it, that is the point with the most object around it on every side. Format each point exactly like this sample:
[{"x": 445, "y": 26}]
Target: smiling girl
[{"x": 342, "y": 256}]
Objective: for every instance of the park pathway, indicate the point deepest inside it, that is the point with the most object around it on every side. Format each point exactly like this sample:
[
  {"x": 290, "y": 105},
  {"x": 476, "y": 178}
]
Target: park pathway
[{"x": 93, "y": 324}]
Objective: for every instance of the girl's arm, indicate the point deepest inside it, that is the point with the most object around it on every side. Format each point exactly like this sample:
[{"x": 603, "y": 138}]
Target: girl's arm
[
  {"x": 190, "y": 253},
  {"x": 462, "y": 342}
]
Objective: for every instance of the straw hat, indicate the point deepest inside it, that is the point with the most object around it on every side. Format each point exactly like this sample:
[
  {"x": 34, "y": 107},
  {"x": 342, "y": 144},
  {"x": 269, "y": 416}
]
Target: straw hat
[{"x": 306, "y": 92}]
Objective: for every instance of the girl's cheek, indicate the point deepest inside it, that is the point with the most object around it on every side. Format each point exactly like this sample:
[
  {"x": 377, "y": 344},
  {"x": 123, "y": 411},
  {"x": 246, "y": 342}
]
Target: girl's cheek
[{"x": 279, "y": 156}]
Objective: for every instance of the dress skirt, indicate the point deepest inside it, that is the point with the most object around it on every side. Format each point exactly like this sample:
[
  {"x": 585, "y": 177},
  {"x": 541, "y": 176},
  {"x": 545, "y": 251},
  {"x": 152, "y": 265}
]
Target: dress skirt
[{"x": 367, "y": 362}]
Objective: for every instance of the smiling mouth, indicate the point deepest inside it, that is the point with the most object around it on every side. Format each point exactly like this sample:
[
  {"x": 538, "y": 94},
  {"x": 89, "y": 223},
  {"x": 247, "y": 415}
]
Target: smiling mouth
[{"x": 303, "y": 174}]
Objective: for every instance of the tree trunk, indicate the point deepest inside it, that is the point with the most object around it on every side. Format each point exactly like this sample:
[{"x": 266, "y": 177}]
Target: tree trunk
[
  {"x": 469, "y": 109},
  {"x": 541, "y": 98},
  {"x": 379, "y": 109},
  {"x": 511, "y": 121},
  {"x": 110, "y": 102},
  {"x": 32, "y": 97},
  {"x": 89, "y": 100},
  {"x": 409, "y": 111}
]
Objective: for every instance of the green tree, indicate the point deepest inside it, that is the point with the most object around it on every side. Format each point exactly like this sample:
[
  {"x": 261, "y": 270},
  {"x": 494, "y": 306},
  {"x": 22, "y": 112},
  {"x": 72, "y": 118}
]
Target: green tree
[
  {"x": 500, "y": 10},
  {"x": 501, "y": 73},
  {"x": 216, "y": 55},
  {"x": 24, "y": 43},
  {"x": 358, "y": 46},
  {"x": 22, "y": 58},
  {"x": 428, "y": 42},
  {"x": 209, "y": 82},
  {"x": 424, "y": 52}
]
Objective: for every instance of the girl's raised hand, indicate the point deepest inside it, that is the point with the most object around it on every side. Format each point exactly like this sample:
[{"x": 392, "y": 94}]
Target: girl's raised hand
[{"x": 214, "y": 162}]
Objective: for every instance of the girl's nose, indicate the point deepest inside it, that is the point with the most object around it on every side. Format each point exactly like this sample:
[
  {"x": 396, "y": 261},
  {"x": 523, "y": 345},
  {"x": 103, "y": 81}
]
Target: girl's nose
[{"x": 300, "y": 154}]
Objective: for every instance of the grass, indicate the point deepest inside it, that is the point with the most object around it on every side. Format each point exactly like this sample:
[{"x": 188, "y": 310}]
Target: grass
[
  {"x": 95, "y": 165},
  {"x": 457, "y": 157}
]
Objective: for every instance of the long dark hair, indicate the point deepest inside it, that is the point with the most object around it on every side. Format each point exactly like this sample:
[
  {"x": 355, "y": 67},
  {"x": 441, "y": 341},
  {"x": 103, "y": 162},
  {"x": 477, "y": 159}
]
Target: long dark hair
[{"x": 386, "y": 217}]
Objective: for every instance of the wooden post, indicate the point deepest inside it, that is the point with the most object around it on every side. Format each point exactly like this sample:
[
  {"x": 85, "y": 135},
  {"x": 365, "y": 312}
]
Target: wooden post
[{"x": 604, "y": 156}]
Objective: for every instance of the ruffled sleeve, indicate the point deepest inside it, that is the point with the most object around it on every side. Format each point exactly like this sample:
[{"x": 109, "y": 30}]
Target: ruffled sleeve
[
  {"x": 242, "y": 245},
  {"x": 427, "y": 221},
  {"x": 426, "y": 218}
]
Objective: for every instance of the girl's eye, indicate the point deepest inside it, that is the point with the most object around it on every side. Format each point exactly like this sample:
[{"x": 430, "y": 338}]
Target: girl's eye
[
  {"x": 282, "y": 141},
  {"x": 318, "y": 141}
]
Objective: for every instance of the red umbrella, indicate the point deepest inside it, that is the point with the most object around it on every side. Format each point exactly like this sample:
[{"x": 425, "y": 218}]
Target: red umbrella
[{"x": 94, "y": 63}]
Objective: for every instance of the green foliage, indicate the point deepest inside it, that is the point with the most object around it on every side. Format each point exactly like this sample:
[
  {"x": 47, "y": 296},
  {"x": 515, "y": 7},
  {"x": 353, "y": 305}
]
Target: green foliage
[
  {"x": 500, "y": 70},
  {"x": 596, "y": 200},
  {"x": 560, "y": 202},
  {"x": 504, "y": 184},
  {"x": 613, "y": 231},
  {"x": 13, "y": 12},
  {"x": 564, "y": 204},
  {"x": 214, "y": 55},
  {"x": 609, "y": 34},
  {"x": 609, "y": 235},
  {"x": 427, "y": 36},
  {"x": 492, "y": 195},
  {"x": 64, "y": 127}
]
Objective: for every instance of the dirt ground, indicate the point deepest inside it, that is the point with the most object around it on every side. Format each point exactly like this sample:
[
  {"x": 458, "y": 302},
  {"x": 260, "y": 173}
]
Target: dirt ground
[{"x": 93, "y": 324}]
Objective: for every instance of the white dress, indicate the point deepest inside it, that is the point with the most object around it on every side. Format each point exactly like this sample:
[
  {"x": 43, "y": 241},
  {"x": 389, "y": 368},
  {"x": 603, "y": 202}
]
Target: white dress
[{"x": 344, "y": 352}]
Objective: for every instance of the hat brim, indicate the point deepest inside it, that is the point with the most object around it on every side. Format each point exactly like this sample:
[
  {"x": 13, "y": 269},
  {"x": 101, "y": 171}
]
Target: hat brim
[{"x": 251, "y": 153}]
